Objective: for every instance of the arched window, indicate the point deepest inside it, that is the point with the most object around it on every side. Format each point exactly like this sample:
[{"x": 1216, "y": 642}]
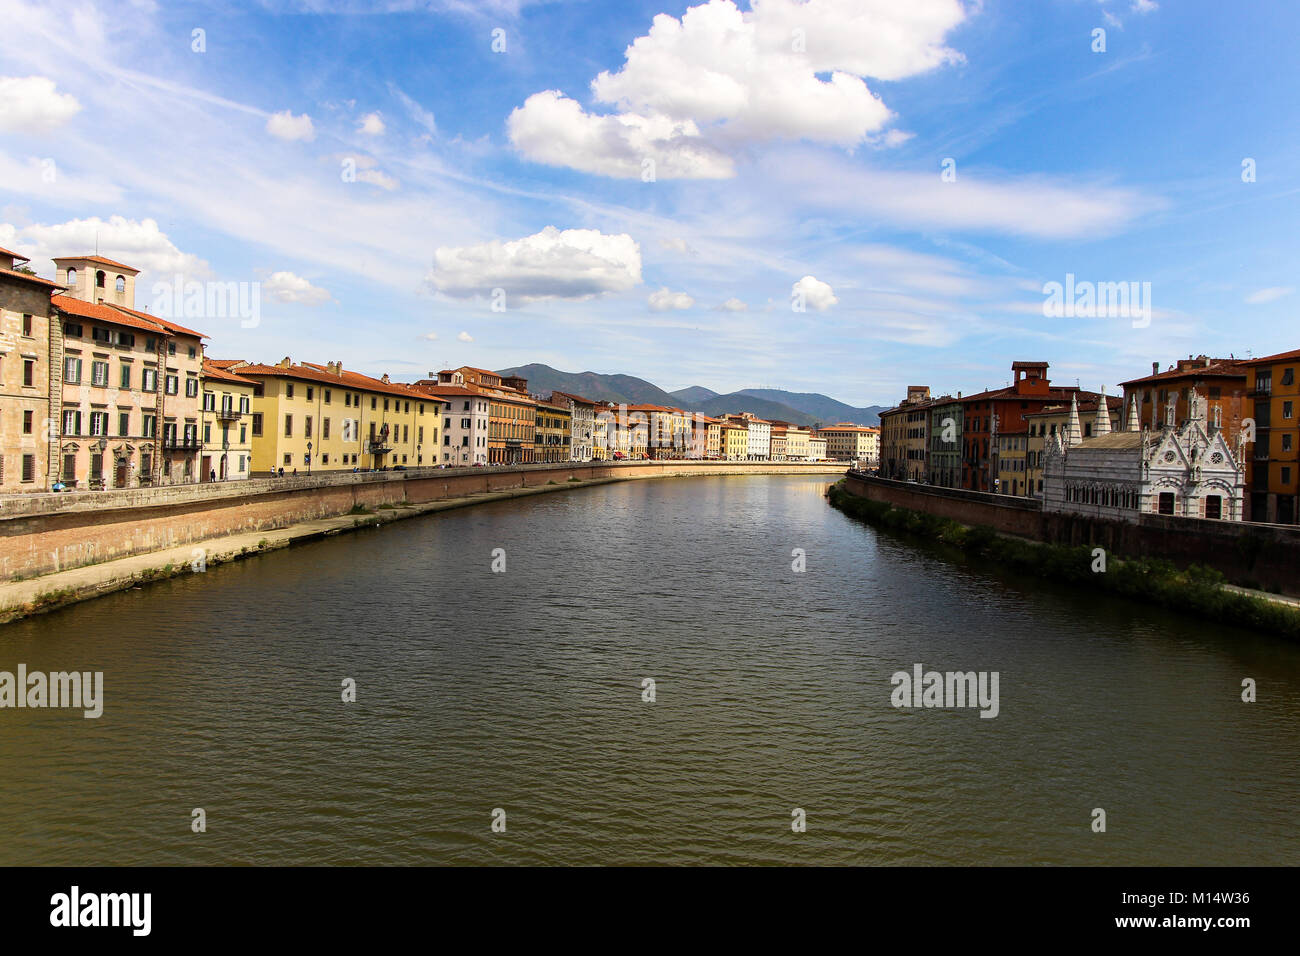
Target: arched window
[
  {"x": 120, "y": 284},
  {"x": 99, "y": 279},
  {"x": 72, "y": 278}
]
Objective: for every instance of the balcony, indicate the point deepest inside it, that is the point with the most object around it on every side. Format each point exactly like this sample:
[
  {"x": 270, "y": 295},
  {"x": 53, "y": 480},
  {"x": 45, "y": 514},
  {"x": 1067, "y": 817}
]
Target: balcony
[
  {"x": 376, "y": 446},
  {"x": 228, "y": 414},
  {"x": 180, "y": 443}
]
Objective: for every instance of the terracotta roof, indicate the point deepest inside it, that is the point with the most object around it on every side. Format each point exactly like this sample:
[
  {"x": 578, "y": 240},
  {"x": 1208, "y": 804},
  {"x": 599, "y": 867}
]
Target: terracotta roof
[
  {"x": 102, "y": 313},
  {"x": 102, "y": 261},
  {"x": 1113, "y": 440},
  {"x": 14, "y": 273},
  {"x": 15, "y": 255},
  {"x": 1218, "y": 368},
  {"x": 440, "y": 390},
  {"x": 309, "y": 372},
  {"x": 166, "y": 323},
  {"x": 222, "y": 363},
  {"x": 570, "y": 395},
  {"x": 1270, "y": 359},
  {"x": 214, "y": 371}
]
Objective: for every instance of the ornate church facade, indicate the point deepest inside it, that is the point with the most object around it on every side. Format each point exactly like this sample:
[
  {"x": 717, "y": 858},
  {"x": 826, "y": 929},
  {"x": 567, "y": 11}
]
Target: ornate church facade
[{"x": 1186, "y": 470}]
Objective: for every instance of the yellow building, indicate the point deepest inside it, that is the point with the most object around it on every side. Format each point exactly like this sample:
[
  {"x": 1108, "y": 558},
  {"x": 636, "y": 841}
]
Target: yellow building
[
  {"x": 225, "y": 425},
  {"x": 734, "y": 441},
  {"x": 1274, "y": 471},
  {"x": 310, "y": 417},
  {"x": 1012, "y": 468},
  {"x": 554, "y": 432}
]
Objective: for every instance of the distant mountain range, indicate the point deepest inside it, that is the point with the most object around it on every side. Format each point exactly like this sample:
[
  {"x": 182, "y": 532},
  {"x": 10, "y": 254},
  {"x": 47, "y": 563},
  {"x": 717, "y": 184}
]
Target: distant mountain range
[{"x": 798, "y": 408}]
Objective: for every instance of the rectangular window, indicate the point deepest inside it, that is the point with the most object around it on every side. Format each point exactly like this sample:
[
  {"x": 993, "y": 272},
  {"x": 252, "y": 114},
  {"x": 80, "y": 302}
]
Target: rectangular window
[
  {"x": 72, "y": 330},
  {"x": 1286, "y": 441},
  {"x": 99, "y": 374},
  {"x": 325, "y": 428},
  {"x": 209, "y": 402},
  {"x": 288, "y": 390},
  {"x": 1286, "y": 475},
  {"x": 1288, "y": 376},
  {"x": 124, "y": 379},
  {"x": 70, "y": 467},
  {"x": 1166, "y": 502},
  {"x": 72, "y": 371},
  {"x": 27, "y": 330},
  {"x": 257, "y": 424},
  {"x": 99, "y": 424},
  {"x": 288, "y": 426},
  {"x": 29, "y": 372},
  {"x": 149, "y": 380},
  {"x": 1213, "y": 506},
  {"x": 207, "y": 434},
  {"x": 311, "y": 393},
  {"x": 307, "y": 429},
  {"x": 1286, "y": 409},
  {"x": 71, "y": 422},
  {"x": 173, "y": 385},
  {"x": 171, "y": 348},
  {"x": 327, "y": 396},
  {"x": 191, "y": 387},
  {"x": 124, "y": 423},
  {"x": 29, "y": 461},
  {"x": 149, "y": 429},
  {"x": 27, "y": 423}
]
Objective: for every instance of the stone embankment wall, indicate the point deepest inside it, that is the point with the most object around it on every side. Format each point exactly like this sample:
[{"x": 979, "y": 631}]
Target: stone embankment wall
[
  {"x": 41, "y": 534},
  {"x": 1254, "y": 555}
]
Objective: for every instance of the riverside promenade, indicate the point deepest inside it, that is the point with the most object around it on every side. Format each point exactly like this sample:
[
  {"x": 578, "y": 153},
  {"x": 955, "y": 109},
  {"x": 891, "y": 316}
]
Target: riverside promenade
[{"x": 59, "y": 549}]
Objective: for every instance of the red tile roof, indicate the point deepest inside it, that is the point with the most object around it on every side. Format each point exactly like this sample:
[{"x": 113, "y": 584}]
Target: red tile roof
[
  {"x": 311, "y": 372},
  {"x": 102, "y": 261},
  {"x": 1218, "y": 368},
  {"x": 214, "y": 371},
  {"x": 102, "y": 313},
  {"x": 14, "y": 273},
  {"x": 1270, "y": 359},
  {"x": 166, "y": 323},
  {"x": 12, "y": 254}
]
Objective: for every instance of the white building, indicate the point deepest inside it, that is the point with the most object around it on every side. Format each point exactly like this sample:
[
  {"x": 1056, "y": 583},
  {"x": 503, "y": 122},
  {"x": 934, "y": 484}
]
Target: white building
[
  {"x": 583, "y": 428},
  {"x": 464, "y": 424},
  {"x": 760, "y": 438},
  {"x": 1185, "y": 470}
]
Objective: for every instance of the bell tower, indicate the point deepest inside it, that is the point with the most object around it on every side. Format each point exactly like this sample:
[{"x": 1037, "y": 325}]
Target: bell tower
[{"x": 93, "y": 278}]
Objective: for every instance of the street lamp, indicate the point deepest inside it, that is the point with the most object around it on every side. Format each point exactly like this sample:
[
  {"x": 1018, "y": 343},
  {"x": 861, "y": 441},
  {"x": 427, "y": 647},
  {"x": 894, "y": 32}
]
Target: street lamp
[{"x": 309, "y": 458}]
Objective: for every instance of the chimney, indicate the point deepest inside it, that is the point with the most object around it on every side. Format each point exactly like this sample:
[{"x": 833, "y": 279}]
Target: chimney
[
  {"x": 1155, "y": 368},
  {"x": 384, "y": 378},
  {"x": 284, "y": 363}
]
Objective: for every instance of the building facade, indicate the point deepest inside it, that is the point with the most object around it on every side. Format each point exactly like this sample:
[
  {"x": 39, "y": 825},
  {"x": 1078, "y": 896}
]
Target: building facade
[
  {"x": 31, "y": 347},
  {"x": 945, "y": 442},
  {"x": 226, "y": 425},
  {"x": 1272, "y": 465},
  {"x": 1183, "y": 469}
]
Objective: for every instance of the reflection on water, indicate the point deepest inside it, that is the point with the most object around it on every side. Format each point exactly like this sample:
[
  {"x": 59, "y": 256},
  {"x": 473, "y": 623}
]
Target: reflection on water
[{"x": 523, "y": 691}]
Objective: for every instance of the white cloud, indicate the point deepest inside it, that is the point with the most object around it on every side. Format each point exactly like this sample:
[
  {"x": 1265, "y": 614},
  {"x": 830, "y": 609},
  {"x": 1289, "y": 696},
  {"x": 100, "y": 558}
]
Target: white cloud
[
  {"x": 372, "y": 124},
  {"x": 1271, "y": 294},
  {"x": 32, "y": 104},
  {"x": 551, "y": 128},
  {"x": 377, "y": 177},
  {"x": 554, "y": 263},
  {"x": 692, "y": 90},
  {"x": 677, "y": 244},
  {"x": 1145, "y": 6},
  {"x": 464, "y": 337},
  {"x": 430, "y": 336},
  {"x": 287, "y": 287},
  {"x": 665, "y": 300},
  {"x": 814, "y": 293},
  {"x": 284, "y": 125},
  {"x": 136, "y": 243},
  {"x": 732, "y": 305}
]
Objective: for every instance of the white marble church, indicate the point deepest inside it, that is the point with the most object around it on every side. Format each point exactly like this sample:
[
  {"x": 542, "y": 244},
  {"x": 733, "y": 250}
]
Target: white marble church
[{"x": 1186, "y": 470}]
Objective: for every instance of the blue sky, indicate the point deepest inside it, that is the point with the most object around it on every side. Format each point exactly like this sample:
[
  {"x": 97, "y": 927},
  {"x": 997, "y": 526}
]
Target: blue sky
[{"x": 380, "y": 170}]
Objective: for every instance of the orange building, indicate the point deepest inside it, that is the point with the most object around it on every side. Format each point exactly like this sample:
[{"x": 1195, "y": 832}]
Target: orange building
[
  {"x": 1221, "y": 382},
  {"x": 1272, "y": 468},
  {"x": 512, "y": 412}
]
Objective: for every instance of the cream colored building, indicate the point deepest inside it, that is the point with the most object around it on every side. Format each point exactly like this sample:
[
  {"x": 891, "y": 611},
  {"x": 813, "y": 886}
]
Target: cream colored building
[{"x": 226, "y": 424}]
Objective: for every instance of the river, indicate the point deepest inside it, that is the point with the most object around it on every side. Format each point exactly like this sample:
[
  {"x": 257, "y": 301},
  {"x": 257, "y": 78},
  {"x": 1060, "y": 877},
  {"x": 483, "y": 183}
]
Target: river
[{"x": 522, "y": 690}]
